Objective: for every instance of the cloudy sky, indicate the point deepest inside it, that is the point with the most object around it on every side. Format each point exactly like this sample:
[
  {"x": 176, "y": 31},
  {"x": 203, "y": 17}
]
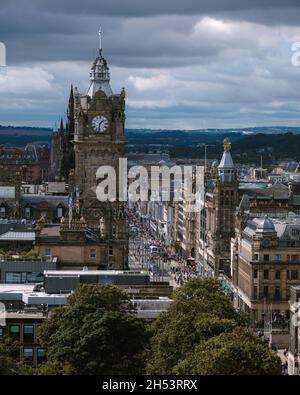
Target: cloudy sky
[{"x": 185, "y": 64}]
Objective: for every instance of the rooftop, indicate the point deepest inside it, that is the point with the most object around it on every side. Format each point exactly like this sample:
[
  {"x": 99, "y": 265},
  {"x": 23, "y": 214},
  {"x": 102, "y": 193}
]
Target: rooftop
[
  {"x": 287, "y": 229},
  {"x": 277, "y": 190},
  {"x": 17, "y": 236},
  {"x": 67, "y": 273},
  {"x": 226, "y": 161},
  {"x": 8, "y": 288},
  {"x": 50, "y": 230}
]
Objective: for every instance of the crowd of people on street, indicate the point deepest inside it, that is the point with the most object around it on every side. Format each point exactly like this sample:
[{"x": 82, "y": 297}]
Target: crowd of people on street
[
  {"x": 182, "y": 274},
  {"x": 181, "y": 269}
]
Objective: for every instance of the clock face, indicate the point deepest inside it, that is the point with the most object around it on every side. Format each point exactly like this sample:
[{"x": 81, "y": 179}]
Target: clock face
[
  {"x": 100, "y": 123},
  {"x": 266, "y": 243}
]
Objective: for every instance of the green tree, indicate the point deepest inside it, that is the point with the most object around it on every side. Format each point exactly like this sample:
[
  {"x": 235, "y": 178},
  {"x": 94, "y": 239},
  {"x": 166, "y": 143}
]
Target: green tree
[
  {"x": 200, "y": 311},
  {"x": 8, "y": 363},
  {"x": 237, "y": 353},
  {"x": 96, "y": 333},
  {"x": 103, "y": 297},
  {"x": 31, "y": 254}
]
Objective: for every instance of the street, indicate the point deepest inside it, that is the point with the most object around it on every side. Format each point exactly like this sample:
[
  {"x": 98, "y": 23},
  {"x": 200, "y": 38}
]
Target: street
[{"x": 148, "y": 252}]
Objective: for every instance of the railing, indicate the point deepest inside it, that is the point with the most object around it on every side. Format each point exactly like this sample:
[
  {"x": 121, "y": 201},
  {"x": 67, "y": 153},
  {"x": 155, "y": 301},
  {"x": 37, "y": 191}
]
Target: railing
[
  {"x": 16, "y": 258},
  {"x": 273, "y": 326}
]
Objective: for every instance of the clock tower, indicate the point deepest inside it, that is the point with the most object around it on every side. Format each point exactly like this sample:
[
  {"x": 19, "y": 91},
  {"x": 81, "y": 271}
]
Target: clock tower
[
  {"x": 99, "y": 119},
  {"x": 99, "y": 127}
]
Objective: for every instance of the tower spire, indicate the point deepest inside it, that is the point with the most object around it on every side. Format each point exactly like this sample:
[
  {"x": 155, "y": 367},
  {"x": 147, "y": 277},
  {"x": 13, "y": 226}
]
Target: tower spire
[
  {"x": 100, "y": 39},
  {"x": 99, "y": 75}
]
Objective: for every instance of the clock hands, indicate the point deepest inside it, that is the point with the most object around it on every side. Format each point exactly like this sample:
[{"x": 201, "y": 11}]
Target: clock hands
[{"x": 100, "y": 124}]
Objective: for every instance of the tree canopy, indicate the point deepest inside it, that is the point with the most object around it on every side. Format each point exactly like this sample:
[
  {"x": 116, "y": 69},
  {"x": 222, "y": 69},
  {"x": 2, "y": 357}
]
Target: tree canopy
[
  {"x": 237, "y": 353},
  {"x": 8, "y": 362},
  {"x": 202, "y": 315},
  {"x": 96, "y": 333}
]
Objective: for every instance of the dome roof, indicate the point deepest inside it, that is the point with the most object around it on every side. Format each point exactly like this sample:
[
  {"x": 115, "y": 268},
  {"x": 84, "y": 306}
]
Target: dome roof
[
  {"x": 265, "y": 225},
  {"x": 162, "y": 162}
]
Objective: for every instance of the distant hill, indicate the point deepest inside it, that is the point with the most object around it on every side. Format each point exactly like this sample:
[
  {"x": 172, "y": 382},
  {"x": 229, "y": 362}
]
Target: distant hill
[
  {"x": 22, "y": 135},
  {"x": 273, "y": 142},
  {"x": 21, "y": 130}
]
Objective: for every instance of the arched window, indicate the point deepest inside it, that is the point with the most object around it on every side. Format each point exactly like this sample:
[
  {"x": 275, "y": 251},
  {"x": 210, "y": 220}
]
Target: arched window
[{"x": 59, "y": 211}]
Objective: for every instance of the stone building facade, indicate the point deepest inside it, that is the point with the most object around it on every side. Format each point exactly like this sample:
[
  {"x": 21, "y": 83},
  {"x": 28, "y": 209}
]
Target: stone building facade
[
  {"x": 94, "y": 138},
  {"x": 221, "y": 200},
  {"x": 265, "y": 264}
]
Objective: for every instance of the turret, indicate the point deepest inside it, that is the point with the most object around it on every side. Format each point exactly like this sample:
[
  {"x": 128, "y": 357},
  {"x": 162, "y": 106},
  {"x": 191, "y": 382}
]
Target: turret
[
  {"x": 226, "y": 168},
  {"x": 99, "y": 75}
]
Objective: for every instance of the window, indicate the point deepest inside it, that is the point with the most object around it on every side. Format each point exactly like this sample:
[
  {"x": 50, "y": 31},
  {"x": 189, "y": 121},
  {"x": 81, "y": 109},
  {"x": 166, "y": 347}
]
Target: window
[
  {"x": 110, "y": 251},
  {"x": 277, "y": 293},
  {"x": 92, "y": 253},
  {"x": 255, "y": 273},
  {"x": 59, "y": 212},
  {"x": 266, "y": 257},
  {"x": 287, "y": 274},
  {"x": 255, "y": 257},
  {"x": 47, "y": 252},
  {"x": 28, "y": 334},
  {"x": 255, "y": 292},
  {"x": 2, "y": 212},
  {"x": 277, "y": 275},
  {"x": 28, "y": 355},
  {"x": 294, "y": 274},
  {"x": 278, "y": 258},
  {"x": 13, "y": 277},
  {"x": 14, "y": 332},
  {"x": 27, "y": 212},
  {"x": 41, "y": 355},
  {"x": 23, "y": 277},
  {"x": 295, "y": 232},
  {"x": 266, "y": 291},
  {"x": 293, "y": 258},
  {"x": 266, "y": 274}
]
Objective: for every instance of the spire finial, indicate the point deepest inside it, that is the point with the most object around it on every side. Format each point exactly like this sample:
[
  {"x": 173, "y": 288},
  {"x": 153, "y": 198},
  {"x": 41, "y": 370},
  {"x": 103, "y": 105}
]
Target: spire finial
[
  {"x": 226, "y": 145},
  {"x": 100, "y": 38}
]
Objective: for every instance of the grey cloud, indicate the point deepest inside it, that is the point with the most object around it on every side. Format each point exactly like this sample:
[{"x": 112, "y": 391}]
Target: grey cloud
[
  {"x": 136, "y": 32},
  {"x": 158, "y": 7},
  {"x": 218, "y": 80}
]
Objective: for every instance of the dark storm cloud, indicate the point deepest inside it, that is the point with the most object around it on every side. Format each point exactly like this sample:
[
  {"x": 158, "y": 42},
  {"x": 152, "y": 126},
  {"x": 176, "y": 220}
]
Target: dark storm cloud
[
  {"x": 159, "y": 7},
  {"x": 136, "y": 32}
]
